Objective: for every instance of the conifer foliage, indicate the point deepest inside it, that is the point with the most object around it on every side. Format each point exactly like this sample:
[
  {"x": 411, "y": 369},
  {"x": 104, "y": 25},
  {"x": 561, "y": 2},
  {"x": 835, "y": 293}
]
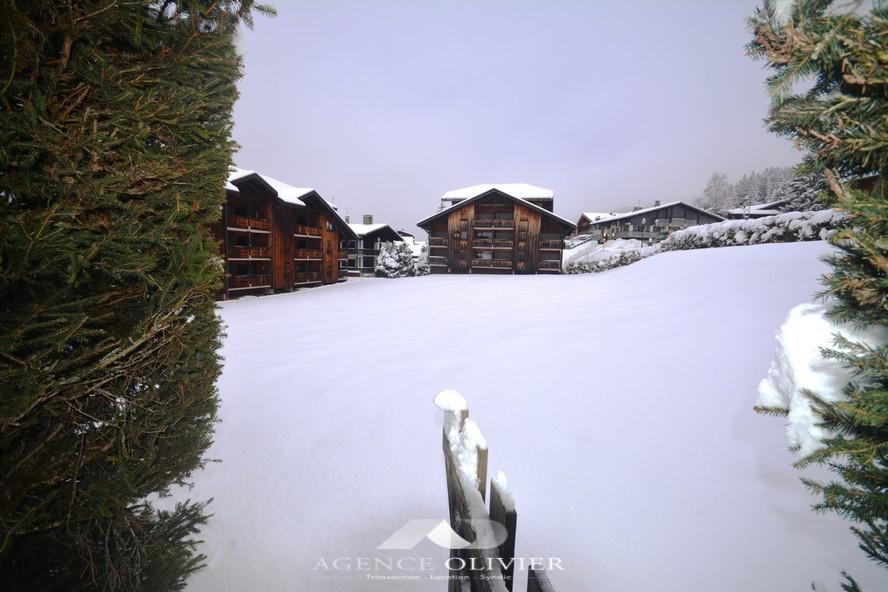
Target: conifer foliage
[
  {"x": 115, "y": 122},
  {"x": 837, "y": 54}
]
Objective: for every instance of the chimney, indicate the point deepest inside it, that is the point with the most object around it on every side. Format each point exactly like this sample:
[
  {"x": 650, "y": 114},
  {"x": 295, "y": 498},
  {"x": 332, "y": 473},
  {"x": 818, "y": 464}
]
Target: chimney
[
  {"x": 368, "y": 218},
  {"x": 347, "y": 219},
  {"x": 657, "y": 202}
]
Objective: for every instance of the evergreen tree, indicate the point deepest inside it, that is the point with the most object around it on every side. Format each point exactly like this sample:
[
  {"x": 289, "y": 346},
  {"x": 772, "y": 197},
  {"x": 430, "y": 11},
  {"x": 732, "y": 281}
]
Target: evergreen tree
[
  {"x": 422, "y": 263},
  {"x": 115, "y": 122},
  {"x": 718, "y": 194},
  {"x": 395, "y": 260},
  {"x": 837, "y": 56},
  {"x": 802, "y": 193}
]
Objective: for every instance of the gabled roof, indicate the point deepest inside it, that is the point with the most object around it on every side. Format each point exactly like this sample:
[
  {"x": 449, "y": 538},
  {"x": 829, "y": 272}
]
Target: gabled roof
[
  {"x": 623, "y": 215},
  {"x": 295, "y": 196},
  {"x": 362, "y": 230},
  {"x": 761, "y": 209},
  {"x": 597, "y": 216},
  {"x": 499, "y": 189},
  {"x": 519, "y": 190}
]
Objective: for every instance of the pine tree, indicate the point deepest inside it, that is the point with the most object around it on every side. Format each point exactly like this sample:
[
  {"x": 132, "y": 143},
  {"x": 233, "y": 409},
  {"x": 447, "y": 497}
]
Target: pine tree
[
  {"x": 395, "y": 260},
  {"x": 802, "y": 193},
  {"x": 837, "y": 56},
  {"x": 718, "y": 194},
  {"x": 422, "y": 263},
  {"x": 115, "y": 122}
]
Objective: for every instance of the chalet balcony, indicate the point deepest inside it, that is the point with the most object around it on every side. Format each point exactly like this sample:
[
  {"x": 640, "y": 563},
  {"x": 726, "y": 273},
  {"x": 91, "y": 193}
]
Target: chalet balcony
[
  {"x": 248, "y": 281},
  {"x": 247, "y": 223},
  {"x": 550, "y": 264},
  {"x": 343, "y": 255},
  {"x": 307, "y": 277},
  {"x": 238, "y": 252},
  {"x": 494, "y": 223},
  {"x": 551, "y": 244},
  {"x": 493, "y": 263},
  {"x": 438, "y": 261},
  {"x": 303, "y": 230},
  {"x": 307, "y": 254},
  {"x": 438, "y": 241},
  {"x": 497, "y": 243}
]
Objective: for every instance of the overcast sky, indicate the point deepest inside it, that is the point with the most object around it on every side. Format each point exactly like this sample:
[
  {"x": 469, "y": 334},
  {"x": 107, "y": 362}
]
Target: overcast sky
[{"x": 385, "y": 105}]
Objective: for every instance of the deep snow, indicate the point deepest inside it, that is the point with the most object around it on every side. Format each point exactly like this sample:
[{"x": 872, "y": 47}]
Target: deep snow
[{"x": 619, "y": 404}]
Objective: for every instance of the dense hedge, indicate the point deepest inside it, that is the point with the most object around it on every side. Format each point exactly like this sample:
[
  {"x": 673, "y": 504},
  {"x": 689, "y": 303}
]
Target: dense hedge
[{"x": 114, "y": 147}]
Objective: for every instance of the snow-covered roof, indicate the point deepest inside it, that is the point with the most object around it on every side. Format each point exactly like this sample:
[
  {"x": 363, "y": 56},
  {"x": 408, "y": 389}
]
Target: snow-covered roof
[
  {"x": 285, "y": 191},
  {"x": 622, "y": 215},
  {"x": 519, "y": 190},
  {"x": 362, "y": 229},
  {"x": 365, "y": 229},
  {"x": 762, "y": 209},
  {"x": 598, "y": 216}
]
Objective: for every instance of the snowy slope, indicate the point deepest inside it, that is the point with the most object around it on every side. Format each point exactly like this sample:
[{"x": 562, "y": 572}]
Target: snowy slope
[{"x": 619, "y": 404}]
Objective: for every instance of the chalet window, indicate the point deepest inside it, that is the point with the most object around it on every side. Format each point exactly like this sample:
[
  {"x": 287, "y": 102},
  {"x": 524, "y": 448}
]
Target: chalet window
[
  {"x": 329, "y": 227},
  {"x": 366, "y": 261}
]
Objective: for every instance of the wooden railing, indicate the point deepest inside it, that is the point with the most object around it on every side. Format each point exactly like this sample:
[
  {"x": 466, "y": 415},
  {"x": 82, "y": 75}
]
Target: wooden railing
[
  {"x": 438, "y": 241},
  {"x": 495, "y": 263},
  {"x": 549, "y": 264},
  {"x": 307, "y": 277},
  {"x": 503, "y": 243},
  {"x": 343, "y": 254},
  {"x": 489, "y": 569},
  {"x": 248, "y": 252},
  {"x": 249, "y": 281},
  {"x": 438, "y": 261},
  {"x": 496, "y": 243},
  {"x": 307, "y": 254},
  {"x": 236, "y": 221},
  {"x": 494, "y": 223},
  {"x": 306, "y": 230},
  {"x": 551, "y": 244}
]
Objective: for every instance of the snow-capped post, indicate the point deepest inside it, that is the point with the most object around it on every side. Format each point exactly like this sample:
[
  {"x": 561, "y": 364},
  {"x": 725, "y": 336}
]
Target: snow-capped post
[{"x": 487, "y": 558}]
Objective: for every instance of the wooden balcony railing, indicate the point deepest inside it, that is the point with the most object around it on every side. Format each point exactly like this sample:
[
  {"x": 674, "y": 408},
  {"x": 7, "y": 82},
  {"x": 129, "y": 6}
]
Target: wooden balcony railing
[
  {"x": 496, "y": 263},
  {"x": 551, "y": 244},
  {"x": 249, "y": 252},
  {"x": 438, "y": 261},
  {"x": 494, "y": 223},
  {"x": 236, "y": 221},
  {"x": 343, "y": 255},
  {"x": 307, "y": 277},
  {"x": 502, "y": 243},
  {"x": 550, "y": 264},
  {"x": 307, "y": 254},
  {"x": 438, "y": 241},
  {"x": 306, "y": 230},
  {"x": 249, "y": 281}
]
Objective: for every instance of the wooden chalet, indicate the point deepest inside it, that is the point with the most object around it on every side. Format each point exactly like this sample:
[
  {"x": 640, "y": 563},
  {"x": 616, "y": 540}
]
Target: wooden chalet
[
  {"x": 363, "y": 250},
  {"x": 275, "y": 237},
  {"x": 496, "y": 228},
  {"x": 651, "y": 224}
]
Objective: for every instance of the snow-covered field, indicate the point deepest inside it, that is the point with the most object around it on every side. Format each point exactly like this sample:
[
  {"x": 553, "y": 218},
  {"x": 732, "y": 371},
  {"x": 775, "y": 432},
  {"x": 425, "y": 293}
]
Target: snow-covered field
[{"x": 619, "y": 405}]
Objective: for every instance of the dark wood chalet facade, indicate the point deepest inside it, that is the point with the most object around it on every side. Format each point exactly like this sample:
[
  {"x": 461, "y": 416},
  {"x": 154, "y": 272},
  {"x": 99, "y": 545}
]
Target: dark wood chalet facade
[
  {"x": 275, "y": 237},
  {"x": 651, "y": 224},
  {"x": 506, "y": 228}
]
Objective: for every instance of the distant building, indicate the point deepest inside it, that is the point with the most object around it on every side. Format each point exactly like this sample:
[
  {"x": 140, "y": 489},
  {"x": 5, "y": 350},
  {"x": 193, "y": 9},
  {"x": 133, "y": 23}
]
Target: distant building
[
  {"x": 275, "y": 237},
  {"x": 363, "y": 250},
  {"x": 651, "y": 224},
  {"x": 772, "y": 208},
  {"x": 496, "y": 228}
]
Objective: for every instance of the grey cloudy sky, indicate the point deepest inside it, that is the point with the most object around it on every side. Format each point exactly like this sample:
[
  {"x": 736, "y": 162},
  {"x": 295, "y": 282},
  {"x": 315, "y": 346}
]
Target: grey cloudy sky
[{"x": 384, "y": 105}]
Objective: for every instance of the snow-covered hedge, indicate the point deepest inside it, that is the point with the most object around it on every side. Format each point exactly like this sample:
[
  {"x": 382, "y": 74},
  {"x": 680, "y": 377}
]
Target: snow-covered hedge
[
  {"x": 422, "y": 263},
  {"x": 582, "y": 265},
  {"x": 395, "y": 260},
  {"x": 782, "y": 228}
]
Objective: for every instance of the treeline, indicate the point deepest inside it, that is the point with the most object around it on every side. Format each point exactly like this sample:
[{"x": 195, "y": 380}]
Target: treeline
[{"x": 770, "y": 185}]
